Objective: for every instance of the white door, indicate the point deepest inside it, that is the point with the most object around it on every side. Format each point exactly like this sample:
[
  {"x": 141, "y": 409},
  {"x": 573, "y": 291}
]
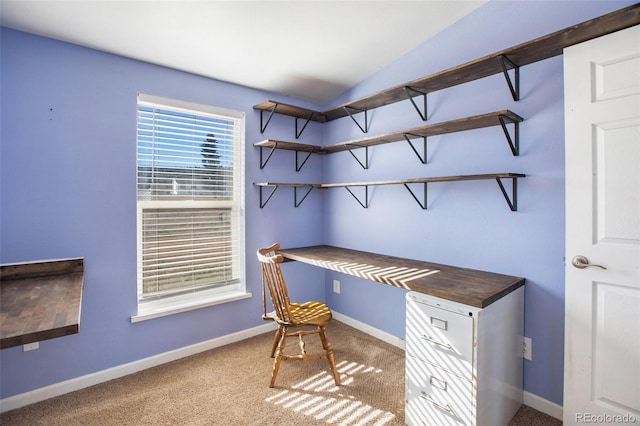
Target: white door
[{"x": 602, "y": 306}]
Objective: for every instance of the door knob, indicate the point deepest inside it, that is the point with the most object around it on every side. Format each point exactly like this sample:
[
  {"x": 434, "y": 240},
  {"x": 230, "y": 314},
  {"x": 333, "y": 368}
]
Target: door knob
[{"x": 582, "y": 262}]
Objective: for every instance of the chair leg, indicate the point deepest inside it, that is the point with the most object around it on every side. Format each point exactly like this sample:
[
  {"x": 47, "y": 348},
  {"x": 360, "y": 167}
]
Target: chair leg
[
  {"x": 276, "y": 340},
  {"x": 327, "y": 347},
  {"x": 279, "y": 354}
]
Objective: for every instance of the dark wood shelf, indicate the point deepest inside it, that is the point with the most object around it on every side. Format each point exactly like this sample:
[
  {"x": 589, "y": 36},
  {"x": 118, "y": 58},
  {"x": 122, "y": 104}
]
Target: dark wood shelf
[
  {"x": 40, "y": 300},
  {"x": 467, "y": 286},
  {"x": 497, "y": 118},
  {"x": 499, "y": 62},
  {"x": 426, "y": 180},
  {"x": 511, "y": 199}
]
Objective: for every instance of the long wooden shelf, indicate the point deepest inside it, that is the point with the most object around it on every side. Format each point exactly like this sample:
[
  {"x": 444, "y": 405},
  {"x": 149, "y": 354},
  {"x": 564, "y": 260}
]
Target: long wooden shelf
[
  {"x": 497, "y": 118},
  {"x": 511, "y": 199},
  {"x": 468, "y": 286},
  {"x": 499, "y": 62}
]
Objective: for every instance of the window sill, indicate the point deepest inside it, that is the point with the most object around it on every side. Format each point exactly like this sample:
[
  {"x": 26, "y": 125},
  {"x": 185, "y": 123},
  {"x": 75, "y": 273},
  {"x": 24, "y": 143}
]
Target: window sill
[{"x": 161, "y": 308}]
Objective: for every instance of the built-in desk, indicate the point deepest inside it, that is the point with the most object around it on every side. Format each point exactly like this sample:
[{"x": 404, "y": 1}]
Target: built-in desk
[
  {"x": 463, "y": 335},
  {"x": 466, "y": 286},
  {"x": 40, "y": 300}
]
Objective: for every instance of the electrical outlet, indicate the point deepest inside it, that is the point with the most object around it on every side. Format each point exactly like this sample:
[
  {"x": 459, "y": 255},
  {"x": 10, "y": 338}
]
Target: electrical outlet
[
  {"x": 30, "y": 346},
  {"x": 526, "y": 348},
  {"x": 336, "y": 286}
]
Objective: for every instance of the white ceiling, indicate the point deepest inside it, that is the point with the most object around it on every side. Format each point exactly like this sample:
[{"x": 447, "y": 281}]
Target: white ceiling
[{"x": 308, "y": 50}]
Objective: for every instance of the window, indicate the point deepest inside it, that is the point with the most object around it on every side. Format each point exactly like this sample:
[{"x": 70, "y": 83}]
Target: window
[{"x": 190, "y": 206}]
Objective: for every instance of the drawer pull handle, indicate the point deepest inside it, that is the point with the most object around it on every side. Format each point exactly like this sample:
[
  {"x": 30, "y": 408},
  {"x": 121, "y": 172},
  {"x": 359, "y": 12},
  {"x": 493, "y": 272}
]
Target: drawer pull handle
[
  {"x": 446, "y": 407},
  {"x": 435, "y": 342}
]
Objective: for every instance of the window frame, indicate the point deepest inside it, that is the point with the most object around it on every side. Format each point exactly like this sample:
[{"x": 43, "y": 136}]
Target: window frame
[{"x": 161, "y": 306}]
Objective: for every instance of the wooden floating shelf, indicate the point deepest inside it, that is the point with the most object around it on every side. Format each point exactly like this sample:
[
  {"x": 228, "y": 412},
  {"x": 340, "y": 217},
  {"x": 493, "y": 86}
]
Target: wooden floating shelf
[
  {"x": 502, "y": 61},
  {"x": 40, "y": 300},
  {"x": 512, "y": 199},
  {"x": 497, "y": 118}
]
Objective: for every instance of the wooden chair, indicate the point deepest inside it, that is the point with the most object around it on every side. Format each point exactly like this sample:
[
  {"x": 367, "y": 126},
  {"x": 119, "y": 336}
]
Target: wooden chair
[{"x": 293, "y": 319}]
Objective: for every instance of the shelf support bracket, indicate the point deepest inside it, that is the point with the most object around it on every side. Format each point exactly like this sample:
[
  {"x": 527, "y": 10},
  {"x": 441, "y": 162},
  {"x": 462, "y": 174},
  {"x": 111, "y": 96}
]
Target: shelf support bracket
[
  {"x": 364, "y": 165},
  {"x": 348, "y": 109},
  {"x": 297, "y": 203},
  {"x": 513, "y": 200},
  {"x": 263, "y": 125},
  {"x": 514, "y": 143},
  {"x": 264, "y": 202},
  {"x": 298, "y": 164},
  {"x": 514, "y": 86},
  {"x": 307, "y": 119},
  {"x": 423, "y": 156},
  {"x": 422, "y": 204},
  {"x": 411, "y": 93},
  {"x": 264, "y": 161},
  {"x": 366, "y": 196}
]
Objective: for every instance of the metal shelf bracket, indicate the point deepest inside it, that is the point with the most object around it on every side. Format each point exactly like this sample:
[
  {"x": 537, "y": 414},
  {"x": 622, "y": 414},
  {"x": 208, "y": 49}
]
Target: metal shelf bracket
[
  {"x": 351, "y": 110},
  {"x": 513, "y": 200},
  {"x": 411, "y": 93},
  {"x": 423, "y": 204},
  {"x": 514, "y": 143},
  {"x": 296, "y": 200},
  {"x": 366, "y": 196},
  {"x": 263, "y": 202},
  {"x": 297, "y": 203},
  {"x": 364, "y": 165},
  {"x": 298, "y": 164},
  {"x": 263, "y": 125},
  {"x": 514, "y": 86},
  {"x": 423, "y": 156},
  {"x": 307, "y": 119},
  {"x": 264, "y": 161}
]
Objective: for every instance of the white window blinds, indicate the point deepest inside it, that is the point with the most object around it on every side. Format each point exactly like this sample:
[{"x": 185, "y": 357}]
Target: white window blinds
[{"x": 190, "y": 198}]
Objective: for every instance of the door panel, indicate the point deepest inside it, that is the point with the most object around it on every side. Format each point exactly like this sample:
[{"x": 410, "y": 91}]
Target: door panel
[{"x": 602, "y": 306}]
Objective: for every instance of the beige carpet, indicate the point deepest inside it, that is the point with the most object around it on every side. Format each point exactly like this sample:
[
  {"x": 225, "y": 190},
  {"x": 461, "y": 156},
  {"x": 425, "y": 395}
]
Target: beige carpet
[{"x": 229, "y": 386}]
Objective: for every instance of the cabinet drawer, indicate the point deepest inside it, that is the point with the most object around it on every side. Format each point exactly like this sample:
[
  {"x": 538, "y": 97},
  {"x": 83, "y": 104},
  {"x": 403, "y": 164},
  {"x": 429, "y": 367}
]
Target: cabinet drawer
[
  {"x": 440, "y": 337},
  {"x": 436, "y": 397}
]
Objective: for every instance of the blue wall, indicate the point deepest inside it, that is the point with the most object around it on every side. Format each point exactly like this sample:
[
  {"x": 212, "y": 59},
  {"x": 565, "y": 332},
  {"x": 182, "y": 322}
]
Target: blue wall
[
  {"x": 68, "y": 173},
  {"x": 67, "y": 188}
]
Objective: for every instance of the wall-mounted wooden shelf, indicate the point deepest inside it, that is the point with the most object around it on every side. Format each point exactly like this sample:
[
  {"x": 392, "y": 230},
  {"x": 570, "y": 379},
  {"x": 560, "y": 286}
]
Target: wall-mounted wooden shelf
[
  {"x": 498, "y": 118},
  {"x": 512, "y": 199},
  {"x": 499, "y": 62},
  {"x": 40, "y": 300}
]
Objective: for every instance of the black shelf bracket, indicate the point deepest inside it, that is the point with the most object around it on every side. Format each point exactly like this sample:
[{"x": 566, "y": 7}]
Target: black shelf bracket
[
  {"x": 263, "y": 201},
  {"x": 296, "y": 200},
  {"x": 263, "y": 124},
  {"x": 307, "y": 119},
  {"x": 423, "y": 204},
  {"x": 351, "y": 110},
  {"x": 513, "y": 200},
  {"x": 423, "y": 156},
  {"x": 364, "y": 165},
  {"x": 298, "y": 164},
  {"x": 514, "y": 86},
  {"x": 514, "y": 143},
  {"x": 366, "y": 196},
  {"x": 297, "y": 203},
  {"x": 264, "y": 161},
  {"x": 411, "y": 93}
]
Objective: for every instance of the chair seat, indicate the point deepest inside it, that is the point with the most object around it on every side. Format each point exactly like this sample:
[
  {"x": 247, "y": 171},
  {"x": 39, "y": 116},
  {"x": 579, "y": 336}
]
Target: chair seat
[{"x": 307, "y": 313}]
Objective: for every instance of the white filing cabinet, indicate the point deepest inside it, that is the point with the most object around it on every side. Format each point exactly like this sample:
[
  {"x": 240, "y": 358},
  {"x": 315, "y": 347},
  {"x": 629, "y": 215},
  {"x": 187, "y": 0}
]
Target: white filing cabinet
[{"x": 463, "y": 364}]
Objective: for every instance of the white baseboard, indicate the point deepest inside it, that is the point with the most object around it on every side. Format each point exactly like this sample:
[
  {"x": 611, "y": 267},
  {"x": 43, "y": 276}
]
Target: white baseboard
[
  {"x": 542, "y": 405},
  {"x": 57, "y": 389},
  {"x": 365, "y": 328}
]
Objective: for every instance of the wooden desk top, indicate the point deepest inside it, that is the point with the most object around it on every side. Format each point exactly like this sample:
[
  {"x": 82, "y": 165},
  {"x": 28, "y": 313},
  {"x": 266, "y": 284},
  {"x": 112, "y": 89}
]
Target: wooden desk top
[
  {"x": 40, "y": 300},
  {"x": 467, "y": 286}
]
